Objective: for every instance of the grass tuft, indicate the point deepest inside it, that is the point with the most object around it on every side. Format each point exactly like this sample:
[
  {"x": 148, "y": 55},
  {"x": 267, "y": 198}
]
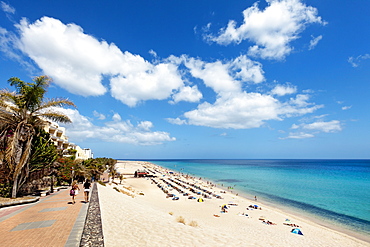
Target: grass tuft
[
  {"x": 181, "y": 220},
  {"x": 193, "y": 223}
]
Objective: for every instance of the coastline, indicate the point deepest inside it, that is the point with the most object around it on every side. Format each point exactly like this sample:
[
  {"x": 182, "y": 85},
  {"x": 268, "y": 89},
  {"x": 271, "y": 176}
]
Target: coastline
[
  {"x": 297, "y": 211},
  {"x": 228, "y": 228}
]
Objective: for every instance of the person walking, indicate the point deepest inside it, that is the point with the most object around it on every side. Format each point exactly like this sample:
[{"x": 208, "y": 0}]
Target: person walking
[
  {"x": 87, "y": 186},
  {"x": 74, "y": 191}
]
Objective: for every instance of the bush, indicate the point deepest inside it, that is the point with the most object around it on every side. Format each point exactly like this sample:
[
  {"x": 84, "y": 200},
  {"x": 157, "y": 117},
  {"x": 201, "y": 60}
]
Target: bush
[
  {"x": 5, "y": 190},
  {"x": 193, "y": 223},
  {"x": 180, "y": 219}
]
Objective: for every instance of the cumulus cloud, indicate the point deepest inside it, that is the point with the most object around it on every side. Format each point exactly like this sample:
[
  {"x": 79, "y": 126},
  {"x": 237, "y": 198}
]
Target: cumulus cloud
[
  {"x": 78, "y": 62},
  {"x": 327, "y": 127},
  {"x": 314, "y": 42},
  {"x": 282, "y": 90},
  {"x": 311, "y": 129},
  {"x": 246, "y": 110},
  {"x": 176, "y": 121},
  {"x": 238, "y": 111},
  {"x": 148, "y": 83},
  {"x": 117, "y": 130},
  {"x": 98, "y": 115},
  {"x": 271, "y": 30},
  {"x": 234, "y": 107},
  {"x": 187, "y": 93},
  {"x": 226, "y": 76}
]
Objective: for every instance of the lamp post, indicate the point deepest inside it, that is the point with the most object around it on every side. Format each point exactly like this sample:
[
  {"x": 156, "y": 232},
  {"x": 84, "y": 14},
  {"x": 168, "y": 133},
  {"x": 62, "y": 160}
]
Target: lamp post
[{"x": 72, "y": 174}]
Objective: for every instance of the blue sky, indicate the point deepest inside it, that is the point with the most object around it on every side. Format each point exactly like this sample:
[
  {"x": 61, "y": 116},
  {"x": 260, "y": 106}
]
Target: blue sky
[{"x": 200, "y": 79}]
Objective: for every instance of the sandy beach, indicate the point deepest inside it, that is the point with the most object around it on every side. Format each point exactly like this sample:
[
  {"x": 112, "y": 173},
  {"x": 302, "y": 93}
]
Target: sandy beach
[{"x": 141, "y": 213}]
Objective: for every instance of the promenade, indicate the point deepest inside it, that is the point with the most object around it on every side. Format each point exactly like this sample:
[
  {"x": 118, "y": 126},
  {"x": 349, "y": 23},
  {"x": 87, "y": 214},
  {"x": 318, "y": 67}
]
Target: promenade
[{"x": 52, "y": 221}]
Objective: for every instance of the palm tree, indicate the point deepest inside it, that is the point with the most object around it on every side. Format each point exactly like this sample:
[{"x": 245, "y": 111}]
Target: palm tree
[{"x": 21, "y": 113}]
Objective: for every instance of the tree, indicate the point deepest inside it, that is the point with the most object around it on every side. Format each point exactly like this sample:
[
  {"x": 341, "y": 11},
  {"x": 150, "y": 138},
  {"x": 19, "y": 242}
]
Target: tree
[
  {"x": 95, "y": 167},
  {"x": 21, "y": 113},
  {"x": 43, "y": 153}
]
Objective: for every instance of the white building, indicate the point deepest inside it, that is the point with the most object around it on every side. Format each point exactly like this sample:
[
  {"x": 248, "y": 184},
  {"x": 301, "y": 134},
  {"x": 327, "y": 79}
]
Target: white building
[{"x": 60, "y": 139}]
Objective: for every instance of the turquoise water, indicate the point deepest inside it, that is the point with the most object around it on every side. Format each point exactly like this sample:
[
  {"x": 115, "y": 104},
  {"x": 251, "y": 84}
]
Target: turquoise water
[{"x": 334, "y": 190}]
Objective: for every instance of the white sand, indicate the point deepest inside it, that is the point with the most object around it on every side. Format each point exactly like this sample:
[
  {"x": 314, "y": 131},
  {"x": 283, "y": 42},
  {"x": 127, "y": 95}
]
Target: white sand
[{"x": 152, "y": 219}]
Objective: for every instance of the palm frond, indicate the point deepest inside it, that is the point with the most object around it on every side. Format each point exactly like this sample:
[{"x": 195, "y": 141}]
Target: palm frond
[
  {"x": 56, "y": 117},
  {"x": 56, "y": 102}
]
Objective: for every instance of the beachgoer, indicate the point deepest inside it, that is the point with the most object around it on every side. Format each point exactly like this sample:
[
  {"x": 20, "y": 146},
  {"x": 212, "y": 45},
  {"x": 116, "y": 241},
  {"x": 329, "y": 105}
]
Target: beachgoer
[
  {"x": 255, "y": 198},
  {"x": 87, "y": 186},
  {"x": 75, "y": 188}
]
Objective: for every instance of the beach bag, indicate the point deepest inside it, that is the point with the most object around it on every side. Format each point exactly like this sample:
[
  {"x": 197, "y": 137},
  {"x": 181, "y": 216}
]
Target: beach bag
[{"x": 72, "y": 192}]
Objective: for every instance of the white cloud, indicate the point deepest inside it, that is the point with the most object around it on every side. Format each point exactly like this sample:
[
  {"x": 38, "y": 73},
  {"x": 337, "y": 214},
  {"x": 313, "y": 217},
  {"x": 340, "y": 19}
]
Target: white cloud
[
  {"x": 214, "y": 75},
  {"x": 327, "y": 127},
  {"x": 295, "y": 126},
  {"x": 78, "y": 62},
  {"x": 98, "y": 115},
  {"x": 355, "y": 61},
  {"x": 314, "y": 42},
  {"x": 148, "y": 83},
  {"x": 176, "y": 121},
  {"x": 225, "y": 76},
  {"x": 246, "y": 110},
  {"x": 116, "y": 117},
  {"x": 145, "y": 125},
  {"x": 73, "y": 59},
  {"x": 234, "y": 107},
  {"x": 8, "y": 41},
  {"x": 282, "y": 90},
  {"x": 238, "y": 111},
  {"x": 116, "y": 130},
  {"x": 271, "y": 29},
  {"x": 7, "y": 8},
  {"x": 314, "y": 129},
  {"x": 346, "y": 107},
  {"x": 300, "y": 135},
  {"x": 187, "y": 93}
]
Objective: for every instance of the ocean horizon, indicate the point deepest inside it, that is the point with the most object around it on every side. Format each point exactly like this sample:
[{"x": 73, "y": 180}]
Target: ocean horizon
[{"x": 334, "y": 191}]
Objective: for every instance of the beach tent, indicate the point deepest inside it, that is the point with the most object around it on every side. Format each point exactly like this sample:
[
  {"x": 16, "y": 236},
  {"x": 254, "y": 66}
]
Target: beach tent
[
  {"x": 200, "y": 200},
  {"x": 297, "y": 231}
]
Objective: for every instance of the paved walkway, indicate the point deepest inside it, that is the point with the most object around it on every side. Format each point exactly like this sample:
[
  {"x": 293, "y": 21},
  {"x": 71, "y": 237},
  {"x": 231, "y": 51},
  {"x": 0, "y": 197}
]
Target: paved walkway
[{"x": 53, "y": 221}]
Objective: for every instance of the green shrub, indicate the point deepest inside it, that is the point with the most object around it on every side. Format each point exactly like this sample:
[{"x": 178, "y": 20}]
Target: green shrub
[{"x": 5, "y": 190}]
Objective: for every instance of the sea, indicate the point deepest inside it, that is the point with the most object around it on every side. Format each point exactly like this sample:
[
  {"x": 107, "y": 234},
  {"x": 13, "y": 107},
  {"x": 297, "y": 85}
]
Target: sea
[{"x": 334, "y": 192}]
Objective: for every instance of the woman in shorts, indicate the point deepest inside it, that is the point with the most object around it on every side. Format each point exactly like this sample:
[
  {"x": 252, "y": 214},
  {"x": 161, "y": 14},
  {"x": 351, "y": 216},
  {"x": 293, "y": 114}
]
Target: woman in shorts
[
  {"x": 74, "y": 191},
  {"x": 87, "y": 186}
]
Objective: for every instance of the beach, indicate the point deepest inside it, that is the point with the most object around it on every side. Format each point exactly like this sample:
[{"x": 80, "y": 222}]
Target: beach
[{"x": 138, "y": 212}]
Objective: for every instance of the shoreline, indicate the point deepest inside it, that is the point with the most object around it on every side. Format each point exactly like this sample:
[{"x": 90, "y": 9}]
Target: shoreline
[
  {"x": 318, "y": 219},
  {"x": 296, "y": 212},
  {"x": 148, "y": 209}
]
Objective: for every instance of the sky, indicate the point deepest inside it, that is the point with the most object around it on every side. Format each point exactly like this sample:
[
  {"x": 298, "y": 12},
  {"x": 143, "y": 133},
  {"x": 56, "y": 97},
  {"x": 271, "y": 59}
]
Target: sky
[{"x": 209, "y": 79}]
